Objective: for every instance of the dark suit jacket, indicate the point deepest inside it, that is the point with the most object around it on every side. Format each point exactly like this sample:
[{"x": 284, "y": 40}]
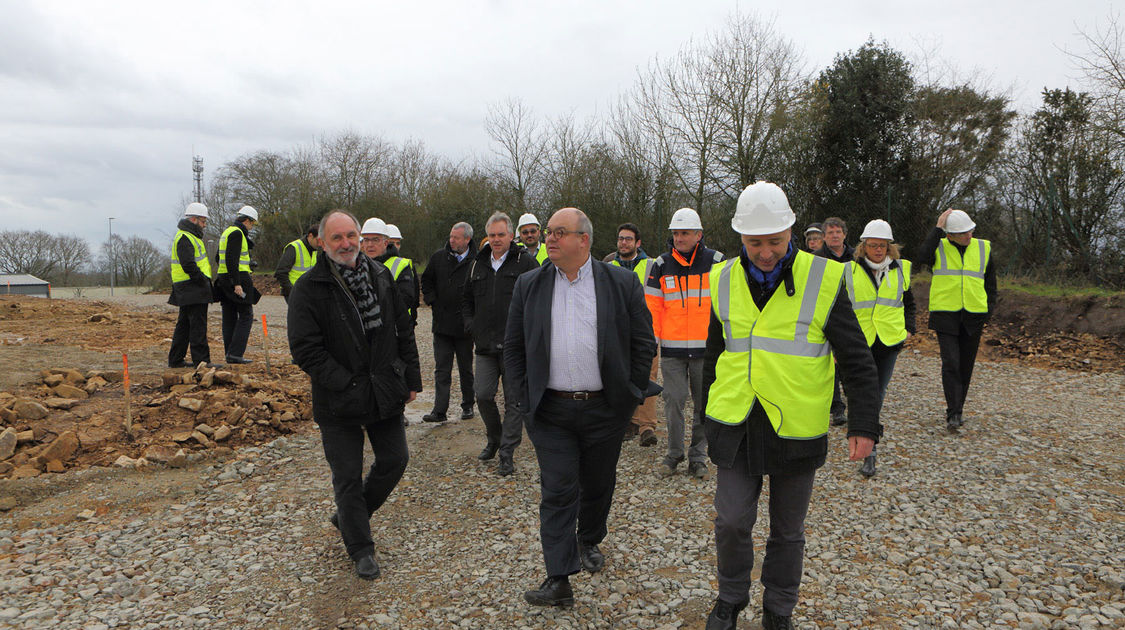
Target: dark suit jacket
[{"x": 625, "y": 341}]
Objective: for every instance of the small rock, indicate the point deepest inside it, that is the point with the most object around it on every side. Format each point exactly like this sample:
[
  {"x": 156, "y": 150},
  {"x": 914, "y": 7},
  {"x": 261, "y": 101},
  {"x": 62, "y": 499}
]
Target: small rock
[
  {"x": 55, "y": 466},
  {"x": 51, "y": 380},
  {"x": 23, "y": 437},
  {"x": 158, "y": 453},
  {"x": 7, "y": 502},
  {"x": 70, "y": 391},
  {"x": 29, "y": 410},
  {"x": 94, "y": 384},
  {"x": 170, "y": 377},
  {"x": 181, "y": 436},
  {"x": 9, "y": 438},
  {"x": 63, "y": 448},
  {"x": 100, "y": 317},
  {"x": 208, "y": 378},
  {"x": 205, "y": 429},
  {"x": 201, "y": 439},
  {"x": 60, "y": 403},
  {"x": 125, "y": 462},
  {"x": 179, "y": 460},
  {"x": 191, "y": 404},
  {"x": 222, "y": 433},
  {"x": 9, "y": 416},
  {"x": 74, "y": 377},
  {"x": 87, "y": 514},
  {"x": 27, "y": 471},
  {"x": 223, "y": 376}
]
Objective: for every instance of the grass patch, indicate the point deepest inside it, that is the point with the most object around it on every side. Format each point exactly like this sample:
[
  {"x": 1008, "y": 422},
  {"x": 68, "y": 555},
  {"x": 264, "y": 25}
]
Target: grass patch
[{"x": 1043, "y": 289}]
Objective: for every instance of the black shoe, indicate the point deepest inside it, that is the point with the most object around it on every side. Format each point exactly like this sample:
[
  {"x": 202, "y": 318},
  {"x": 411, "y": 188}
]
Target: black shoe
[
  {"x": 697, "y": 470},
  {"x": 366, "y": 567},
  {"x": 488, "y": 452},
  {"x": 868, "y": 467},
  {"x": 590, "y": 557},
  {"x": 554, "y": 591},
  {"x": 771, "y": 621},
  {"x": 180, "y": 364},
  {"x": 433, "y": 417},
  {"x": 648, "y": 437},
  {"x": 335, "y": 520},
  {"x": 724, "y": 616},
  {"x": 630, "y": 432},
  {"x": 953, "y": 422},
  {"x": 839, "y": 419},
  {"x": 467, "y": 414},
  {"x": 506, "y": 466},
  {"x": 233, "y": 360}
]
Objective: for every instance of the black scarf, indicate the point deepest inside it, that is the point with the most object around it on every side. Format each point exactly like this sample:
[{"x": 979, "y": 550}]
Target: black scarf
[{"x": 358, "y": 281}]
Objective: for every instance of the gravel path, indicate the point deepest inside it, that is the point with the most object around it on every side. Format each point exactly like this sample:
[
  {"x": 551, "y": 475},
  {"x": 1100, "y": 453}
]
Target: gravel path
[{"x": 1016, "y": 522}]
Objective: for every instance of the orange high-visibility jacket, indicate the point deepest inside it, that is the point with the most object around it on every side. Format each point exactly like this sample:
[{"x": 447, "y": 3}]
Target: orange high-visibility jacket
[{"x": 678, "y": 294}]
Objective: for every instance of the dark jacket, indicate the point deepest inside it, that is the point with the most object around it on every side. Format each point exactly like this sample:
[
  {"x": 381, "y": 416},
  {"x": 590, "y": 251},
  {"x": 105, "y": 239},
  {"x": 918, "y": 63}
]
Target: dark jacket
[
  {"x": 954, "y": 322},
  {"x": 755, "y": 439},
  {"x": 847, "y": 256},
  {"x": 406, "y": 283},
  {"x": 909, "y": 311},
  {"x": 627, "y": 264},
  {"x": 225, "y": 282},
  {"x": 442, "y": 283},
  {"x": 357, "y": 377},
  {"x": 625, "y": 341},
  {"x": 197, "y": 288},
  {"x": 285, "y": 264},
  {"x": 488, "y": 294}
]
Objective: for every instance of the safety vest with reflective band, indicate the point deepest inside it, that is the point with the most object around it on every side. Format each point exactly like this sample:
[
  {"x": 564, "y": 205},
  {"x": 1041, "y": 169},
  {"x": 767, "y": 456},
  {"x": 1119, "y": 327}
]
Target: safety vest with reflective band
[
  {"x": 540, "y": 254},
  {"x": 641, "y": 269},
  {"x": 958, "y": 283},
  {"x": 678, "y": 294},
  {"x": 879, "y": 311},
  {"x": 178, "y": 273},
  {"x": 397, "y": 264},
  {"x": 302, "y": 262},
  {"x": 243, "y": 257},
  {"x": 777, "y": 356}
]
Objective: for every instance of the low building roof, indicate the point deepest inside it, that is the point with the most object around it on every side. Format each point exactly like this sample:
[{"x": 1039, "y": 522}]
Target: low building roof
[{"x": 19, "y": 279}]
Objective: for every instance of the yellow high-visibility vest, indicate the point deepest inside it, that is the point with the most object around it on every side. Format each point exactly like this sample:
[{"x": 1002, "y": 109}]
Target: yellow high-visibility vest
[
  {"x": 641, "y": 269},
  {"x": 200, "y": 256},
  {"x": 303, "y": 262},
  {"x": 398, "y": 264},
  {"x": 777, "y": 356},
  {"x": 243, "y": 256},
  {"x": 880, "y": 312},
  {"x": 958, "y": 283}
]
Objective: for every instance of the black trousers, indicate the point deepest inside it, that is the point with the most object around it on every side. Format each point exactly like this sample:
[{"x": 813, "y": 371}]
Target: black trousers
[
  {"x": 577, "y": 443},
  {"x": 958, "y": 356},
  {"x": 357, "y": 498},
  {"x": 191, "y": 329},
  {"x": 445, "y": 347},
  {"x": 237, "y": 320}
]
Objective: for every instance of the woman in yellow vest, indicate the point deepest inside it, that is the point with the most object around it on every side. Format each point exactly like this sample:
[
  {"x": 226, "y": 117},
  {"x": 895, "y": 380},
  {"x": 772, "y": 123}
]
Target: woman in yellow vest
[
  {"x": 878, "y": 283},
  {"x": 962, "y": 296}
]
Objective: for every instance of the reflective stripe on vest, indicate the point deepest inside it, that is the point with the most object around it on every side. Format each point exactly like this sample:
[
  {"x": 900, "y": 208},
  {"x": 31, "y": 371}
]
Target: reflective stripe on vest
[
  {"x": 778, "y": 356},
  {"x": 243, "y": 256},
  {"x": 641, "y": 268},
  {"x": 880, "y": 312},
  {"x": 958, "y": 282},
  {"x": 541, "y": 254},
  {"x": 397, "y": 264},
  {"x": 178, "y": 273},
  {"x": 302, "y": 262}
]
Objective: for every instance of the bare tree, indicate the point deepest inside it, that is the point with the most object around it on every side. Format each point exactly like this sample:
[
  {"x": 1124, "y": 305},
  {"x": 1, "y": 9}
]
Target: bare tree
[
  {"x": 133, "y": 260},
  {"x": 72, "y": 253},
  {"x": 520, "y": 149},
  {"x": 1104, "y": 66},
  {"x": 564, "y": 149},
  {"x": 356, "y": 166},
  {"x": 24, "y": 251},
  {"x": 263, "y": 180}
]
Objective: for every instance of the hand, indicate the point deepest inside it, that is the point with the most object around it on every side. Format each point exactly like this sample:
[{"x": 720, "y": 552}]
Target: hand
[
  {"x": 941, "y": 219},
  {"x": 239, "y": 292},
  {"x": 411, "y": 397},
  {"x": 859, "y": 447}
]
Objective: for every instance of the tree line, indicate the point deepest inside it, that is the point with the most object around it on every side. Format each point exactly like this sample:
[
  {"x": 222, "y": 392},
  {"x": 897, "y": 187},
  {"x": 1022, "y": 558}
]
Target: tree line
[{"x": 66, "y": 259}]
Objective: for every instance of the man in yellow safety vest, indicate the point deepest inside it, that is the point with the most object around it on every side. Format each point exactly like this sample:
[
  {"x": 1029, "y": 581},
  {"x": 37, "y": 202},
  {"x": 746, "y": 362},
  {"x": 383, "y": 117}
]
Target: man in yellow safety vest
[
  {"x": 297, "y": 258},
  {"x": 191, "y": 289},
  {"x": 235, "y": 285},
  {"x": 778, "y": 316},
  {"x": 631, "y": 255}
]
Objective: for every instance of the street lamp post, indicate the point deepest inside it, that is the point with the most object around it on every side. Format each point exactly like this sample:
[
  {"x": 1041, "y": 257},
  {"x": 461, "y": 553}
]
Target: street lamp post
[{"x": 113, "y": 257}]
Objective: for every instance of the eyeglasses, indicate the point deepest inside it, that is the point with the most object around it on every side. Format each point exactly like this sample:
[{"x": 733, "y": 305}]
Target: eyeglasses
[
  {"x": 529, "y": 232},
  {"x": 560, "y": 232},
  {"x": 626, "y": 238}
]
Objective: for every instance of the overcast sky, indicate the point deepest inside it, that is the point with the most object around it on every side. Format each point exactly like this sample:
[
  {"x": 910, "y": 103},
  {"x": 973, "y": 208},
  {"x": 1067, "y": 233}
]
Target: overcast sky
[{"x": 103, "y": 103}]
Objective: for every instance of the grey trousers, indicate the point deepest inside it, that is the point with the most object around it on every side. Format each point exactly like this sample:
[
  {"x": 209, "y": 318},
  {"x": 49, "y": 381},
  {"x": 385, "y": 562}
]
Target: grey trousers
[
  {"x": 678, "y": 374},
  {"x": 736, "y": 505},
  {"x": 489, "y": 374}
]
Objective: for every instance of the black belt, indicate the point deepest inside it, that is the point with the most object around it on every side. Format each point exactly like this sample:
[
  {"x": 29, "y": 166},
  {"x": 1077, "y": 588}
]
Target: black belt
[{"x": 574, "y": 395}]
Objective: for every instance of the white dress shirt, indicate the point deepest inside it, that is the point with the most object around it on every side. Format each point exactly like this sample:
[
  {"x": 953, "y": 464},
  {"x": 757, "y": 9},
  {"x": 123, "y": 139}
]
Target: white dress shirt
[{"x": 574, "y": 333}]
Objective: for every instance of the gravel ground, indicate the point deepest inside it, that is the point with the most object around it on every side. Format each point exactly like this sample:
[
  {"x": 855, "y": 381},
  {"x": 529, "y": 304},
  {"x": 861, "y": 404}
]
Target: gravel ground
[{"x": 1015, "y": 522}]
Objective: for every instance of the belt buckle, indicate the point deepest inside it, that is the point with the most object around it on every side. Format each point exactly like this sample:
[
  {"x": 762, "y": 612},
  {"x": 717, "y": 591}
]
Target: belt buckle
[{"x": 582, "y": 395}]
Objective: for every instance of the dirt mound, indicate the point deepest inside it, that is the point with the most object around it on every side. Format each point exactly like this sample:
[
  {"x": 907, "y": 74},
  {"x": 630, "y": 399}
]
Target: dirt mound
[
  {"x": 266, "y": 285},
  {"x": 75, "y": 419},
  {"x": 94, "y": 325}
]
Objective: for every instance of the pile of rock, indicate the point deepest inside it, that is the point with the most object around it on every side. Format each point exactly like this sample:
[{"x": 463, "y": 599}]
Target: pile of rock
[{"x": 35, "y": 459}]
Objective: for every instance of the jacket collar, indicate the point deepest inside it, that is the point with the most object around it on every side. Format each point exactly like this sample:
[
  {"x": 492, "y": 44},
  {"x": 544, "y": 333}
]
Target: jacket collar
[{"x": 186, "y": 225}]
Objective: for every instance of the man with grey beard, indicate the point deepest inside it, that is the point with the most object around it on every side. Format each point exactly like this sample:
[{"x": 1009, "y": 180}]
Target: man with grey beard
[{"x": 351, "y": 332}]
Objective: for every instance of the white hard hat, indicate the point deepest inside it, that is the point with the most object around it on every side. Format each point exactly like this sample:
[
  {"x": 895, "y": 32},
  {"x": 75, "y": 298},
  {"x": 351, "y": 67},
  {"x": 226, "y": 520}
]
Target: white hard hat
[
  {"x": 247, "y": 211},
  {"x": 958, "y": 222},
  {"x": 195, "y": 209},
  {"x": 527, "y": 219},
  {"x": 762, "y": 209},
  {"x": 374, "y": 226},
  {"x": 877, "y": 229},
  {"x": 393, "y": 231},
  {"x": 685, "y": 219}
]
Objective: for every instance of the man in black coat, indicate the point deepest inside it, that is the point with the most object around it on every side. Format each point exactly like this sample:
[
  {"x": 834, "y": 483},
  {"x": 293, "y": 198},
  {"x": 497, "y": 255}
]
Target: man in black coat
[
  {"x": 836, "y": 248},
  {"x": 484, "y": 306},
  {"x": 579, "y": 346},
  {"x": 191, "y": 289},
  {"x": 442, "y": 284},
  {"x": 350, "y": 331}
]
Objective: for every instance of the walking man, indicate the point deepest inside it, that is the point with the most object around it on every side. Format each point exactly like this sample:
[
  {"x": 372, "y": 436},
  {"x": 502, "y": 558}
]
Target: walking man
[
  {"x": 836, "y": 248},
  {"x": 191, "y": 289},
  {"x": 235, "y": 286},
  {"x": 484, "y": 305},
  {"x": 679, "y": 298},
  {"x": 779, "y": 316},
  {"x": 962, "y": 296},
  {"x": 377, "y": 245},
  {"x": 297, "y": 258},
  {"x": 631, "y": 255},
  {"x": 578, "y": 347},
  {"x": 443, "y": 282},
  {"x": 530, "y": 237},
  {"x": 349, "y": 330}
]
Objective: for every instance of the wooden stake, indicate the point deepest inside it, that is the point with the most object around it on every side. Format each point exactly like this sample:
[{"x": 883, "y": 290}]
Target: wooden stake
[
  {"x": 266, "y": 342},
  {"x": 128, "y": 397}
]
